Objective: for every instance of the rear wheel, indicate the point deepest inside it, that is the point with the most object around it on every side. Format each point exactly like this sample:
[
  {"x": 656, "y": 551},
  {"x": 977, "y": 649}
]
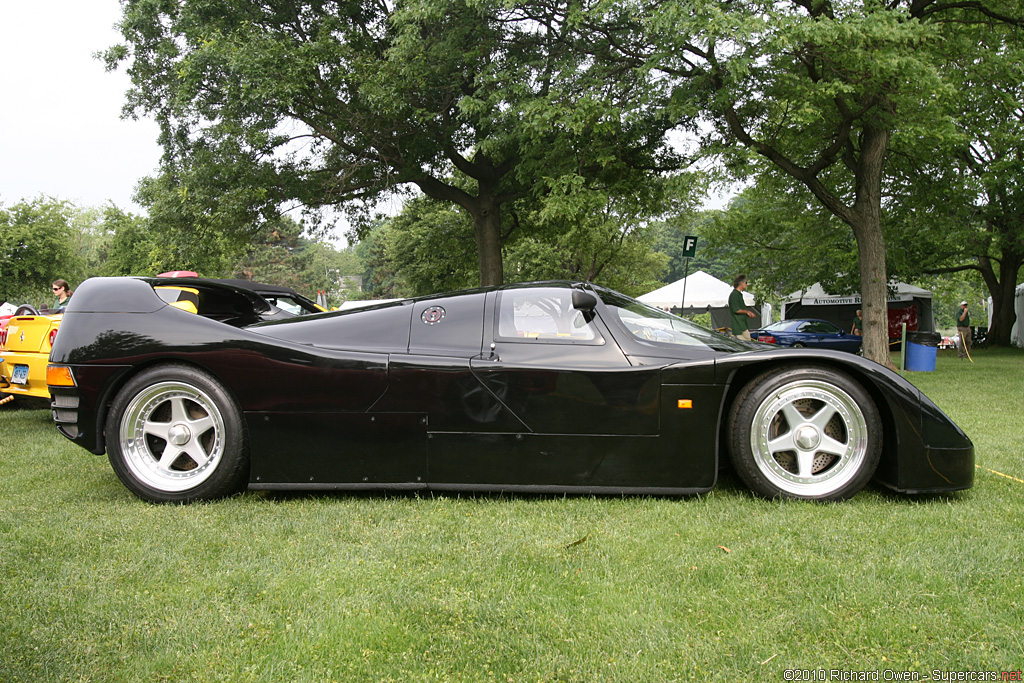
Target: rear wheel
[
  {"x": 175, "y": 435},
  {"x": 810, "y": 433}
]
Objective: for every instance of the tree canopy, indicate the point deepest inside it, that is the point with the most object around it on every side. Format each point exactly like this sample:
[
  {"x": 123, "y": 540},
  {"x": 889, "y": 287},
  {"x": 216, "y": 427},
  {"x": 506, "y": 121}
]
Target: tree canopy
[
  {"x": 429, "y": 248},
  {"x": 35, "y": 236},
  {"x": 331, "y": 103},
  {"x": 957, "y": 199},
  {"x": 818, "y": 90}
]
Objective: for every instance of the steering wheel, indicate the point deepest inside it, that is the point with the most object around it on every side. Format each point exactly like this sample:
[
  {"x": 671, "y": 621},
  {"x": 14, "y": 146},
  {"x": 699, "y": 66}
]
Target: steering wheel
[{"x": 26, "y": 309}]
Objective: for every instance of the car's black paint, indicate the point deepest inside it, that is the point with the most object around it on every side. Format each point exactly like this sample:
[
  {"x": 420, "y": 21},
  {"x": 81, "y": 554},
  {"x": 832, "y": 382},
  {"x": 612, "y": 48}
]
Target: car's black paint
[{"x": 427, "y": 393}]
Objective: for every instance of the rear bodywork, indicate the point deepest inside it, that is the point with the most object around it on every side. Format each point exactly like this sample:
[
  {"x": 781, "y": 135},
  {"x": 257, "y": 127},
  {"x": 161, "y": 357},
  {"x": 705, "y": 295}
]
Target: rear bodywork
[{"x": 429, "y": 393}]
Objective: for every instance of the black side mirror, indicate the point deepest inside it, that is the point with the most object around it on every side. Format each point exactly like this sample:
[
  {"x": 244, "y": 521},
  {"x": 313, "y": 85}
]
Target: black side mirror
[{"x": 583, "y": 301}]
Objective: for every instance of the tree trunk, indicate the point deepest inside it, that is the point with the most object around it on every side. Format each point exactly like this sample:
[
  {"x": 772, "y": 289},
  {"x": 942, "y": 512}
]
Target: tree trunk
[
  {"x": 486, "y": 214},
  {"x": 874, "y": 291},
  {"x": 866, "y": 221},
  {"x": 1003, "y": 288},
  {"x": 485, "y": 208}
]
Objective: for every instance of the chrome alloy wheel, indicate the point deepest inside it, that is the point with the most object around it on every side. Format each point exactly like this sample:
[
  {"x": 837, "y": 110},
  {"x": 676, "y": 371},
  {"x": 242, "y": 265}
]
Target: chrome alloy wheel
[
  {"x": 172, "y": 436},
  {"x": 809, "y": 438}
]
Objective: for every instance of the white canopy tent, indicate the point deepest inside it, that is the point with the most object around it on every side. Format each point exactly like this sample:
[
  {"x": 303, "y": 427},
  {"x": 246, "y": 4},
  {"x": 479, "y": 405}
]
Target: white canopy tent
[
  {"x": 815, "y": 302},
  {"x": 704, "y": 294}
]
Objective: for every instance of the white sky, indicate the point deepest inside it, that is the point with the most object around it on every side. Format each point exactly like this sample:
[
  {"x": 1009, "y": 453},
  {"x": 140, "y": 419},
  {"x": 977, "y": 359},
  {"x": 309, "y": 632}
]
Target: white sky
[{"x": 61, "y": 132}]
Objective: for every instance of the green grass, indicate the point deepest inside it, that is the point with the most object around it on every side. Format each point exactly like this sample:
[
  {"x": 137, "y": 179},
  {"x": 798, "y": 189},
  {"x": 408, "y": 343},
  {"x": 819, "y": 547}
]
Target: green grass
[{"x": 98, "y": 586}]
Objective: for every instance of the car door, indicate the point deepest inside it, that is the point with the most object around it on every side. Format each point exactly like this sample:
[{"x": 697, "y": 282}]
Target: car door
[
  {"x": 827, "y": 335},
  {"x": 582, "y": 414}
]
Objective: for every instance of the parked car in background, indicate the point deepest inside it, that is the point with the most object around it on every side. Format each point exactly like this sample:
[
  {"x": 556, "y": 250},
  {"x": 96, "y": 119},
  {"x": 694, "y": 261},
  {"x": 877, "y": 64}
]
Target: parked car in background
[
  {"x": 538, "y": 387},
  {"x": 809, "y": 332},
  {"x": 25, "y": 341}
]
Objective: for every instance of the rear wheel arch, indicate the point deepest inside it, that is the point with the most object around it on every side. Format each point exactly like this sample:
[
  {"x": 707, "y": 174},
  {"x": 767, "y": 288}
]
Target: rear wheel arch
[
  {"x": 115, "y": 386},
  {"x": 203, "y": 392}
]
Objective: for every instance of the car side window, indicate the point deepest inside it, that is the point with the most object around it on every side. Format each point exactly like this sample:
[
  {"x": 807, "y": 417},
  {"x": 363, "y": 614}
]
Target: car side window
[
  {"x": 543, "y": 314},
  {"x": 820, "y": 327}
]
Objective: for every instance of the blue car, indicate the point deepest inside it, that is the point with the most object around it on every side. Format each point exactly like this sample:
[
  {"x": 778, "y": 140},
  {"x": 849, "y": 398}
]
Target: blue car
[{"x": 819, "y": 334}]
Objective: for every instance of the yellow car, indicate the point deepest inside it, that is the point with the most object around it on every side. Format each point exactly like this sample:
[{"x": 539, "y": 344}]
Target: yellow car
[{"x": 24, "y": 350}]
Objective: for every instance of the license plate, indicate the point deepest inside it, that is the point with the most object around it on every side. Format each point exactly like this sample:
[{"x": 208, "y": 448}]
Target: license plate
[{"x": 20, "y": 375}]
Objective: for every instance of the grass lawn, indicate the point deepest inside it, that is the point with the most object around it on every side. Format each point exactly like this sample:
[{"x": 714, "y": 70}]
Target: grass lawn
[{"x": 98, "y": 586}]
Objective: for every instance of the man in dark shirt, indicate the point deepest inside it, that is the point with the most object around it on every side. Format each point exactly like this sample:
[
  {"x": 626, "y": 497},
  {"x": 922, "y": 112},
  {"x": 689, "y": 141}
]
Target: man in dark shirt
[
  {"x": 738, "y": 314},
  {"x": 963, "y": 330}
]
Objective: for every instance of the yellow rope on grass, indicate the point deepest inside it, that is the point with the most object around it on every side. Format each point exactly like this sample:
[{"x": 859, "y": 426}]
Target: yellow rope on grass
[{"x": 1019, "y": 481}]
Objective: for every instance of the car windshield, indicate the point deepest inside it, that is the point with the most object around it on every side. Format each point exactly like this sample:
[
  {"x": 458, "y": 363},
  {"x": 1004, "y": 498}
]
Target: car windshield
[
  {"x": 652, "y": 325},
  {"x": 778, "y": 325}
]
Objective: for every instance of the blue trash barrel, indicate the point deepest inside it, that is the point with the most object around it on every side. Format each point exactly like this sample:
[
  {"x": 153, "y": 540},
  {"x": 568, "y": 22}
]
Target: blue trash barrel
[{"x": 922, "y": 348}]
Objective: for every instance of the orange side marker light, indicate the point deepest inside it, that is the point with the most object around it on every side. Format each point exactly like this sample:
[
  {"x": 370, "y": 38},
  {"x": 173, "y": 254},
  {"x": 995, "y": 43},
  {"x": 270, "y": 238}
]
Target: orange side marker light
[
  {"x": 59, "y": 376},
  {"x": 684, "y": 404}
]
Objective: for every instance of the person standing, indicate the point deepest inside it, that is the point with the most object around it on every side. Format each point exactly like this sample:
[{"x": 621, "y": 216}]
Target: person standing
[
  {"x": 858, "y": 325},
  {"x": 61, "y": 290},
  {"x": 963, "y": 330},
  {"x": 738, "y": 314}
]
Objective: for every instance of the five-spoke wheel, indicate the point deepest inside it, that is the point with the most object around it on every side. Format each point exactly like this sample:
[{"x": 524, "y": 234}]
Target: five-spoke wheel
[
  {"x": 811, "y": 433},
  {"x": 174, "y": 434}
]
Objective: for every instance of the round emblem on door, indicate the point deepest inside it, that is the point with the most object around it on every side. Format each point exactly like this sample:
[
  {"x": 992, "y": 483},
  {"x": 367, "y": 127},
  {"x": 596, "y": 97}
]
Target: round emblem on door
[{"x": 433, "y": 315}]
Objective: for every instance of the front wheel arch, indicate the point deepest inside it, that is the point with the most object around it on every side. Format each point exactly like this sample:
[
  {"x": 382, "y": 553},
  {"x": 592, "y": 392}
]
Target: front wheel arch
[{"x": 829, "y": 410}]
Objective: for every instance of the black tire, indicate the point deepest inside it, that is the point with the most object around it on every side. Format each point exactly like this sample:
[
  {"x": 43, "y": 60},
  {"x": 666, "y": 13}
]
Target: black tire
[
  {"x": 174, "y": 435},
  {"x": 809, "y": 433},
  {"x": 799, "y": 345}
]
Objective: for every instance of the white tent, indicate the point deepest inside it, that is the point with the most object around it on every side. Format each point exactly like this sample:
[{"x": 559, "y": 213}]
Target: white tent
[
  {"x": 815, "y": 295},
  {"x": 815, "y": 302},
  {"x": 704, "y": 294}
]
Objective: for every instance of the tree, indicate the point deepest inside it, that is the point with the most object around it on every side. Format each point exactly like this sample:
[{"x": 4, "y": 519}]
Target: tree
[
  {"x": 132, "y": 245},
  {"x": 37, "y": 246},
  {"x": 719, "y": 256},
  {"x": 431, "y": 246},
  {"x": 207, "y": 235},
  {"x": 784, "y": 240},
  {"x": 816, "y": 88},
  {"x": 274, "y": 257},
  {"x": 331, "y": 104},
  {"x": 338, "y": 272},
  {"x": 282, "y": 256},
  {"x": 957, "y": 198}
]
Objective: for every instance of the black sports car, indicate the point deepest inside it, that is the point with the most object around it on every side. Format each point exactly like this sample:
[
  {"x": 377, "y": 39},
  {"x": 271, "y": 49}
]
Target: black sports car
[{"x": 540, "y": 387}]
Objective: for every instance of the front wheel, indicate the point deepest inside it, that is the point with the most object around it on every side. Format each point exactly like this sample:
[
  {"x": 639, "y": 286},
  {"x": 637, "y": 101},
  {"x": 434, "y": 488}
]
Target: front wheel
[
  {"x": 810, "y": 433},
  {"x": 175, "y": 435}
]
